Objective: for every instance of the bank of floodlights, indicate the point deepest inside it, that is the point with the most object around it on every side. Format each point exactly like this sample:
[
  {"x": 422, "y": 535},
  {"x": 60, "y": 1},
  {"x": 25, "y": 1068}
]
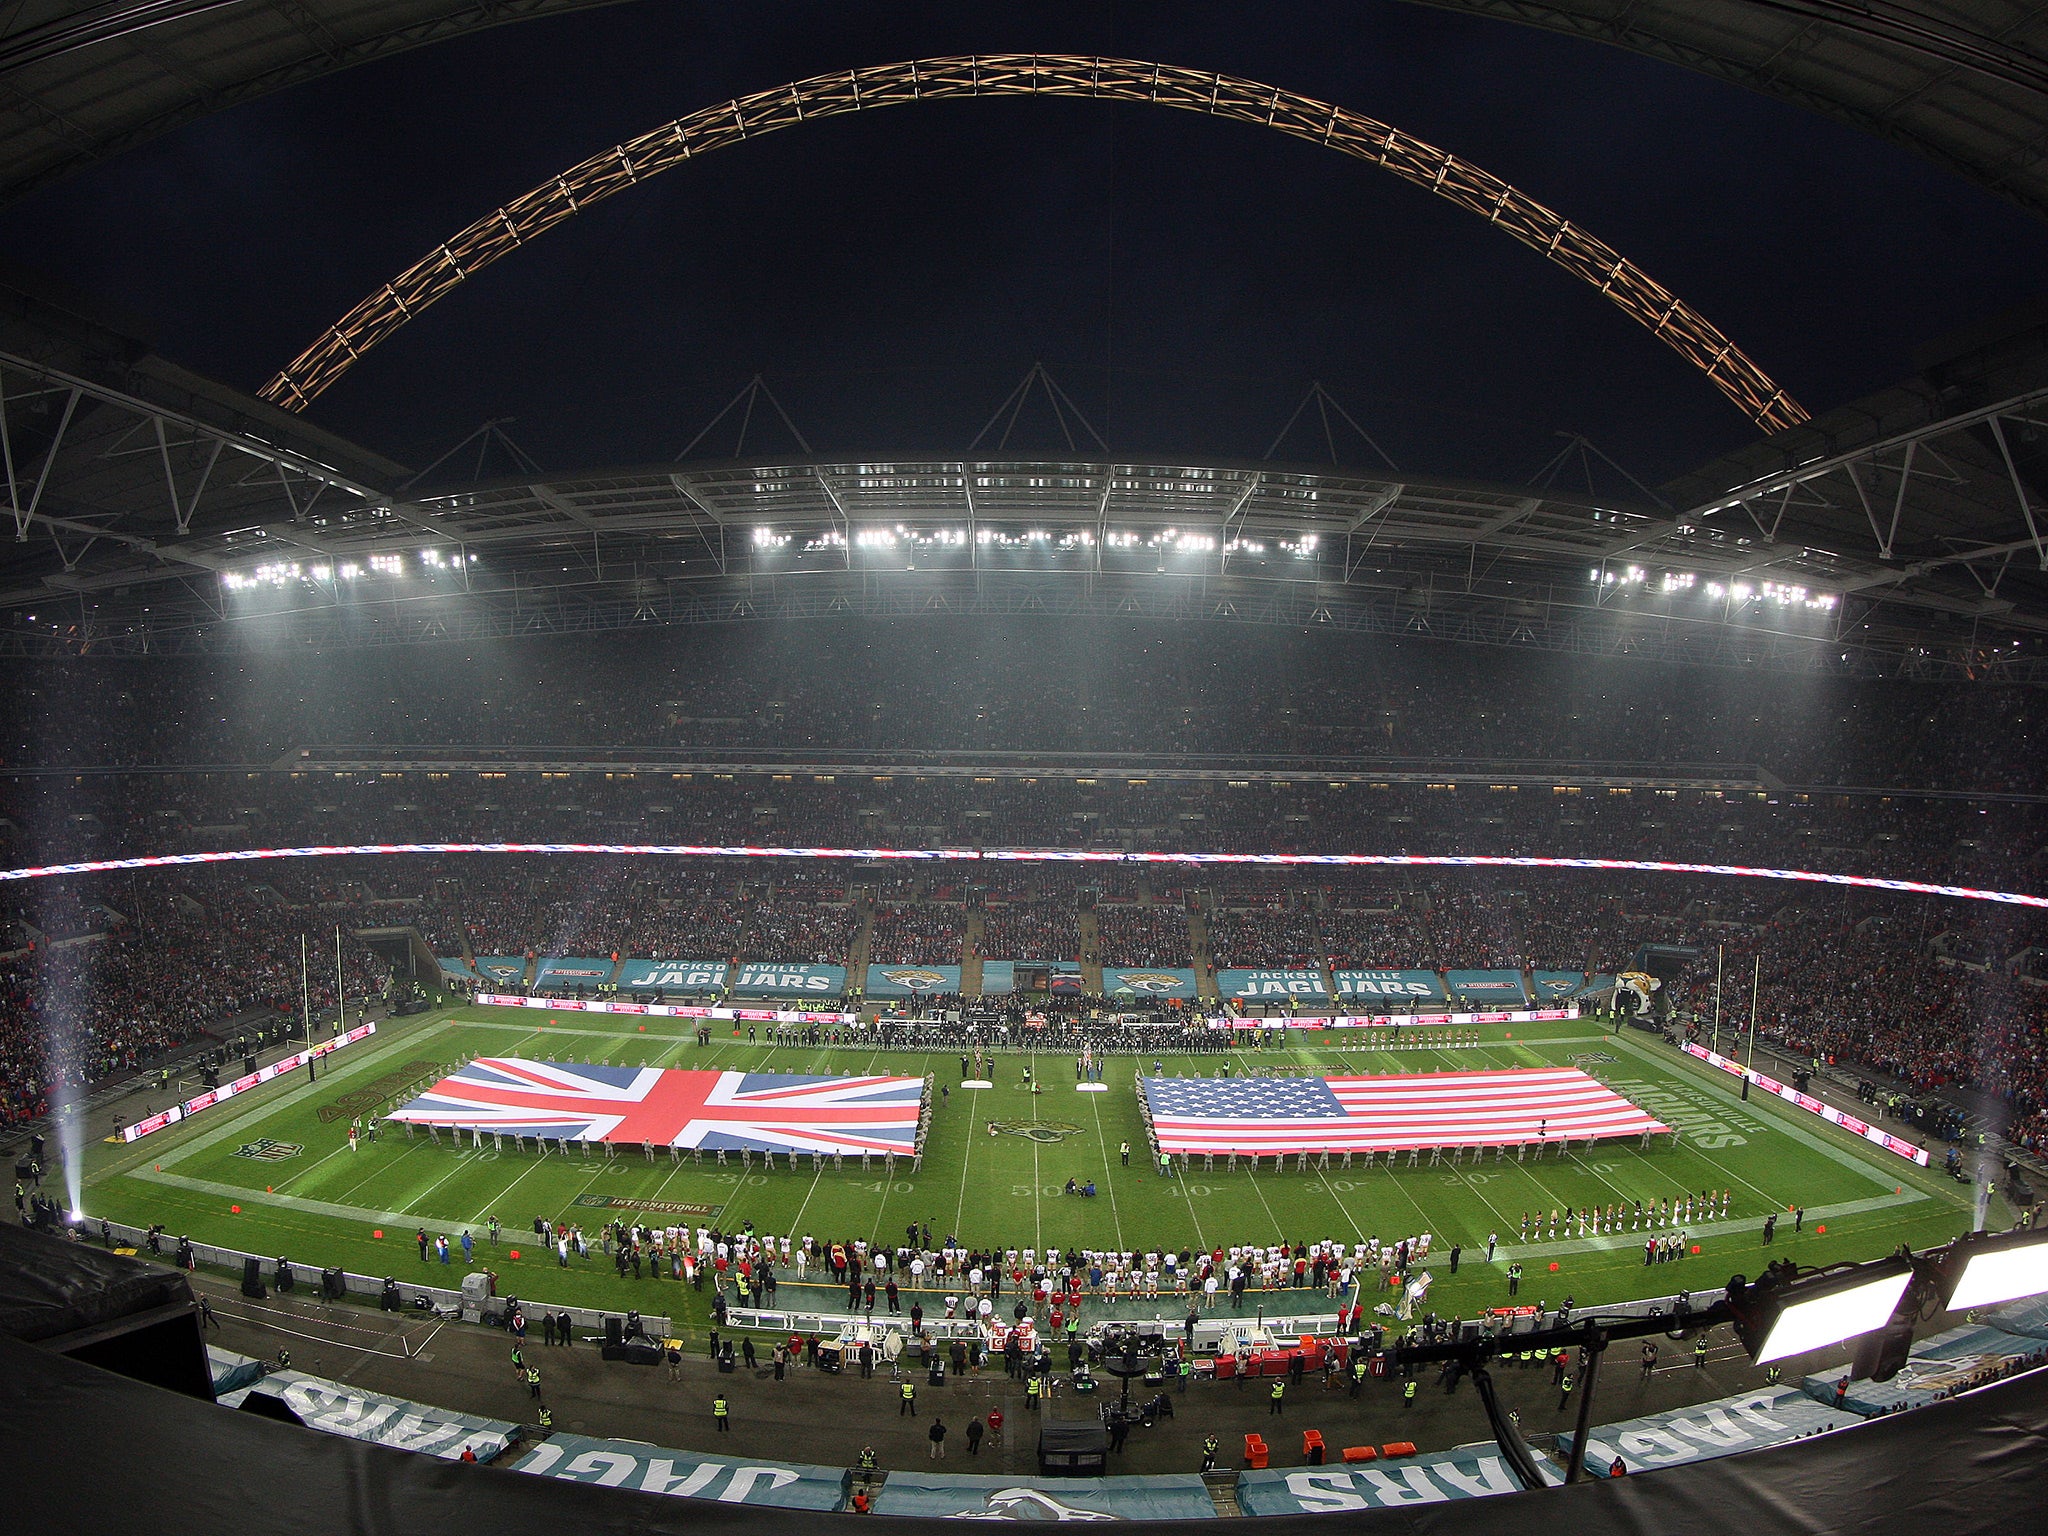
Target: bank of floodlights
[
  {"x": 1785, "y": 1313},
  {"x": 1781, "y": 1314}
]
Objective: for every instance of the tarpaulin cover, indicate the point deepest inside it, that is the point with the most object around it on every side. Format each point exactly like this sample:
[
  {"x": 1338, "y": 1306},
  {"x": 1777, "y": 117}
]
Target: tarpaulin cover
[
  {"x": 231, "y": 1371},
  {"x": 775, "y": 978},
  {"x": 2023, "y": 1317},
  {"x": 1936, "y": 1366},
  {"x": 683, "y": 1474},
  {"x": 912, "y": 980},
  {"x": 1177, "y": 1497},
  {"x": 50, "y": 1287},
  {"x": 672, "y": 975},
  {"x": 1745, "y": 1422},
  {"x": 573, "y": 971},
  {"x": 1552, "y": 986},
  {"x": 83, "y": 1441},
  {"x": 1494, "y": 989},
  {"x": 1270, "y": 986},
  {"x": 1160, "y": 981},
  {"x": 1393, "y": 986},
  {"x": 359, "y": 1414},
  {"x": 1468, "y": 1473}
]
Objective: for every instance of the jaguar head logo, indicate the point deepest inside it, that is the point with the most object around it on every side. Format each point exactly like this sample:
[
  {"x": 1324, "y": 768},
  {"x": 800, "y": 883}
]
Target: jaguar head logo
[
  {"x": 914, "y": 979},
  {"x": 1149, "y": 981},
  {"x": 1028, "y": 1504}
]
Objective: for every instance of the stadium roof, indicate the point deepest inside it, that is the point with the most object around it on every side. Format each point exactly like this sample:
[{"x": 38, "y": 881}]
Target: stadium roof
[
  {"x": 82, "y": 82},
  {"x": 154, "y": 510},
  {"x": 1963, "y": 85},
  {"x": 169, "y": 515}
]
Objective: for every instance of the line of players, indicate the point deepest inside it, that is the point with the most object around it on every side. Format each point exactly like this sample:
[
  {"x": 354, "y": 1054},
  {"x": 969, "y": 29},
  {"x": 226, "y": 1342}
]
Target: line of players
[{"x": 1595, "y": 1221}]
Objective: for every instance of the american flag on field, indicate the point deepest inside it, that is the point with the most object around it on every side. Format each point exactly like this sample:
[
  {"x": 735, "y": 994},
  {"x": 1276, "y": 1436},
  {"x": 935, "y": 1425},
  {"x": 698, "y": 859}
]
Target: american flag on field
[
  {"x": 715, "y": 1111},
  {"x": 1255, "y": 1115}
]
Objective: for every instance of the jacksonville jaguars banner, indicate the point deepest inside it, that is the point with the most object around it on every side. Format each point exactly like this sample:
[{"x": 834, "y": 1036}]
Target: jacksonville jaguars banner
[
  {"x": 1393, "y": 986},
  {"x": 998, "y": 977},
  {"x": 1160, "y": 981},
  {"x": 573, "y": 971},
  {"x": 913, "y": 980},
  {"x": 1944, "y": 1364},
  {"x": 1551, "y": 986},
  {"x": 1180, "y": 1496},
  {"x": 767, "y": 978},
  {"x": 683, "y": 1474},
  {"x": 672, "y": 976},
  {"x": 456, "y": 969},
  {"x": 502, "y": 970},
  {"x": 1270, "y": 986},
  {"x": 357, "y": 1414},
  {"x": 667, "y": 1010},
  {"x": 1747, "y": 1422},
  {"x": 1499, "y": 989},
  {"x": 1465, "y": 1474}
]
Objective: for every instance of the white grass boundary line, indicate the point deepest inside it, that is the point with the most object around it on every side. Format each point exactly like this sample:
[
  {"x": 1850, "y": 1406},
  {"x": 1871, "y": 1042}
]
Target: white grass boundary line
[
  {"x": 326, "y": 1340},
  {"x": 1036, "y": 856},
  {"x": 1698, "y": 1076},
  {"x": 1622, "y": 1240}
]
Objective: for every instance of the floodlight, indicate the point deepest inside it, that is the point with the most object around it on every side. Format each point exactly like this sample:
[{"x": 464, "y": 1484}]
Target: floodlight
[
  {"x": 1780, "y": 1316},
  {"x": 1996, "y": 1269}
]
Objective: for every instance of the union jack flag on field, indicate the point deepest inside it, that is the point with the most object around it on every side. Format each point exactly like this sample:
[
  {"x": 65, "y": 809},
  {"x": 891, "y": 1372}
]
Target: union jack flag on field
[{"x": 715, "y": 1111}]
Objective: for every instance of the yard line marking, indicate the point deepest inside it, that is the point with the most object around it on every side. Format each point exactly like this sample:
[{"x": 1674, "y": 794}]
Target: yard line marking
[
  {"x": 1700, "y": 1081},
  {"x": 539, "y": 1159},
  {"x": 265, "y": 1105},
  {"x": 1465, "y": 1179},
  {"x": 960, "y": 1214},
  {"x": 1338, "y": 1201},
  {"x": 1198, "y": 1220},
  {"x": 1427, "y": 1224},
  {"x": 796, "y": 1221},
  {"x": 1108, "y": 1183},
  {"x": 317, "y": 1338},
  {"x": 300, "y": 1173},
  {"x": 462, "y": 1164},
  {"x": 414, "y": 1145},
  {"x": 882, "y": 1205}
]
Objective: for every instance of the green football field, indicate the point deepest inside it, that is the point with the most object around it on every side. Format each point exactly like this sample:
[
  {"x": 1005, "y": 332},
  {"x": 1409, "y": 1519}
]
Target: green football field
[{"x": 314, "y": 1200}]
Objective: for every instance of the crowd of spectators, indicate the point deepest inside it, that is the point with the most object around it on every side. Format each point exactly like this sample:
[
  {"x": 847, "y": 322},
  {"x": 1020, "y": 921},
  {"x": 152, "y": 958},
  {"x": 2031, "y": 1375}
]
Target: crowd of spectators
[
  {"x": 926, "y": 934},
  {"x": 155, "y": 973},
  {"x": 1266, "y": 937},
  {"x": 1927, "y": 993},
  {"x": 1156, "y": 935},
  {"x": 1065, "y": 687},
  {"x": 785, "y": 928},
  {"x": 1046, "y": 928},
  {"x": 1987, "y": 844},
  {"x": 1935, "y": 995}
]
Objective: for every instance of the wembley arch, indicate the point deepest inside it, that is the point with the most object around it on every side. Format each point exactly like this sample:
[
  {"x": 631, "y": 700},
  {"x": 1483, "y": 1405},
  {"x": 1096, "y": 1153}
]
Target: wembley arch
[{"x": 503, "y": 230}]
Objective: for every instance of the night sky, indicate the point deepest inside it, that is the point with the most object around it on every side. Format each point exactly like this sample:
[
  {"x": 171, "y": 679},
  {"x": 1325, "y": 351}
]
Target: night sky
[{"x": 893, "y": 275}]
